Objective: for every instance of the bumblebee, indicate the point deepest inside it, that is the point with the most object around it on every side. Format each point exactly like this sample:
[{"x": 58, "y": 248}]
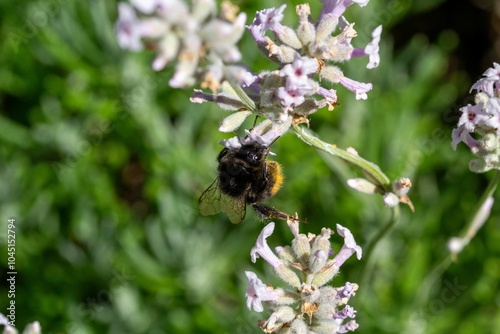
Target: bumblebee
[{"x": 245, "y": 177}]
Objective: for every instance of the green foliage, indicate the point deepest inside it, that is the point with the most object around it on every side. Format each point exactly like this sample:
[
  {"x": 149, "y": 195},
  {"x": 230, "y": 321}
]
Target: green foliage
[{"x": 102, "y": 165}]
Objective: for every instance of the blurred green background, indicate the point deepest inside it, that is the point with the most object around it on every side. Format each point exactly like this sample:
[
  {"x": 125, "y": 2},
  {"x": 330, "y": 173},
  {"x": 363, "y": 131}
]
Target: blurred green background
[{"x": 102, "y": 164}]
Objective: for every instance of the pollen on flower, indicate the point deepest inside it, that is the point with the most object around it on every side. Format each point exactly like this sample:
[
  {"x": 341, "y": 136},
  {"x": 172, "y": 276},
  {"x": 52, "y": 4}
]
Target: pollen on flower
[{"x": 309, "y": 309}]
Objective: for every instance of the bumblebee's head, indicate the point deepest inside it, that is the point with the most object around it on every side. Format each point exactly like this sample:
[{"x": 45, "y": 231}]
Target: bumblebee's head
[{"x": 253, "y": 153}]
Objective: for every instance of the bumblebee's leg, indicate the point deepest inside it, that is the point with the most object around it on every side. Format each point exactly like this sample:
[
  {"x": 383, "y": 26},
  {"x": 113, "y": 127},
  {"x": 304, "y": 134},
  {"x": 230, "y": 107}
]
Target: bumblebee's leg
[
  {"x": 255, "y": 121},
  {"x": 271, "y": 213}
]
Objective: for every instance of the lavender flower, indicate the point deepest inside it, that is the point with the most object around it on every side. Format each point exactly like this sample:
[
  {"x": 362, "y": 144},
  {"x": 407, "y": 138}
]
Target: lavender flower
[
  {"x": 314, "y": 41},
  {"x": 479, "y": 124},
  {"x": 293, "y": 92},
  {"x": 325, "y": 306},
  {"x": 257, "y": 292},
  {"x": 187, "y": 35}
]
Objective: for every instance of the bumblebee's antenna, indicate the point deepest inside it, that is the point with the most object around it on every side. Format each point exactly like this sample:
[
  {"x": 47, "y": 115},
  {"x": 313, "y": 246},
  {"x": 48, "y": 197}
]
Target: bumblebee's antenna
[{"x": 255, "y": 121}]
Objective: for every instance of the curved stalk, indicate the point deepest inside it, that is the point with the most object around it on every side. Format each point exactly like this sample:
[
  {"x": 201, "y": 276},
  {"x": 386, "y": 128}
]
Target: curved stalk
[{"x": 368, "y": 167}]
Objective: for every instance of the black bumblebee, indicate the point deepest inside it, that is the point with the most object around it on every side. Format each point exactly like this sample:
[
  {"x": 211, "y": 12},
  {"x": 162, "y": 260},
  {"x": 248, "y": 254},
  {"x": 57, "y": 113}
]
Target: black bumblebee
[{"x": 245, "y": 176}]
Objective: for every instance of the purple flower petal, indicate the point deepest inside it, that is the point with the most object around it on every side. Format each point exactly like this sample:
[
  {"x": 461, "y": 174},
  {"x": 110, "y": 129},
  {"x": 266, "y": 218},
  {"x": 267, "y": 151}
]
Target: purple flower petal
[
  {"x": 360, "y": 88},
  {"x": 461, "y": 134},
  {"x": 490, "y": 80},
  {"x": 350, "y": 247},
  {"x": 372, "y": 49},
  {"x": 347, "y": 312},
  {"x": 351, "y": 326},
  {"x": 128, "y": 28},
  {"x": 257, "y": 292},
  {"x": 472, "y": 115},
  {"x": 262, "y": 249},
  {"x": 268, "y": 18},
  {"x": 338, "y": 7}
]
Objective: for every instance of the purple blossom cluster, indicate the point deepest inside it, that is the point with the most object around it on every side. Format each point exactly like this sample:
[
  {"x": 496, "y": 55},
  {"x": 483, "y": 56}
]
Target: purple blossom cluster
[
  {"x": 189, "y": 35},
  {"x": 325, "y": 306},
  {"x": 306, "y": 56},
  {"x": 202, "y": 43},
  {"x": 313, "y": 42},
  {"x": 482, "y": 120}
]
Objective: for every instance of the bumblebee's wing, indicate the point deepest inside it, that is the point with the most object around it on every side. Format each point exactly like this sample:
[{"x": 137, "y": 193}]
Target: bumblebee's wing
[
  {"x": 210, "y": 201},
  {"x": 234, "y": 208}
]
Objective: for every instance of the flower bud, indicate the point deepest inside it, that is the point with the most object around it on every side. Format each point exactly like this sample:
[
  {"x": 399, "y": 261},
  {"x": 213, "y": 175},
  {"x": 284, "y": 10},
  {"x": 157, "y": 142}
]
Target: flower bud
[
  {"x": 306, "y": 30},
  {"x": 288, "y": 36},
  {"x": 317, "y": 261},
  {"x": 325, "y": 275},
  {"x": 287, "y": 275},
  {"x": 331, "y": 73},
  {"x": 391, "y": 199},
  {"x": 286, "y": 254},
  {"x": 402, "y": 186},
  {"x": 478, "y": 166},
  {"x": 301, "y": 247},
  {"x": 326, "y": 26},
  {"x": 284, "y": 54},
  {"x": 362, "y": 185},
  {"x": 490, "y": 142},
  {"x": 233, "y": 121},
  {"x": 298, "y": 326}
]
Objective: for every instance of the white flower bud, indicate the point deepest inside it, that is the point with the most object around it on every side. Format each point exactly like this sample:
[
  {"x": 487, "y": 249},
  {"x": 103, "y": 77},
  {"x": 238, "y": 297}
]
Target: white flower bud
[
  {"x": 331, "y": 73},
  {"x": 286, "y": 254},
  {"x": 287, "y": 275},
  {"x": 233, "y": 121},
  {"x": 317, "y": 261},
  {"x": 391, "y": 199},
  {"x": 326, "y": 26},
  {"x": 306, "y": 30},
  {"x": 478, "y": 166},
  {"x": 489, "y": 142},
  {"x": 298, "y": 326},
  {"x": 301, "y": 247},
  {"x": 285, "y": 314},
  {"x": 284, "y": 54},
  {"x": 362, "y": 185},
  {"x": 402, "y": 186},
  {"x": 325, "y": 326},
  {"x": 288, "y": 36},
  {"x": 455, "y": 245},
  {"x": 325, "y": 275}
]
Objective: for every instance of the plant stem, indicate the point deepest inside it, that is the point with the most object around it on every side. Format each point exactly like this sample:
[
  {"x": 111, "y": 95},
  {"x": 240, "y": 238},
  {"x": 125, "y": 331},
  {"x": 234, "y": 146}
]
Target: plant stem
[
  {"x": 369, "y": 248},
  {"x": 370, "y": 168},
  {"x": 471, "y": 229},
  {"x": 481, "y": 214},
  {"x": 467, "y": 234}
]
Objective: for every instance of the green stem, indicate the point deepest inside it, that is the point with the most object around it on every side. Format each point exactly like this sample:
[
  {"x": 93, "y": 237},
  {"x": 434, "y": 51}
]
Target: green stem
[
  {"x": 466, "y": 235},
  {"x": 481, "y": 214},
  {"x": 469, "y": 232},
  {"x": 369, "y": 248},
  {"x": 370, "y": 168},
  {"x": 430, "y": 281}
]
